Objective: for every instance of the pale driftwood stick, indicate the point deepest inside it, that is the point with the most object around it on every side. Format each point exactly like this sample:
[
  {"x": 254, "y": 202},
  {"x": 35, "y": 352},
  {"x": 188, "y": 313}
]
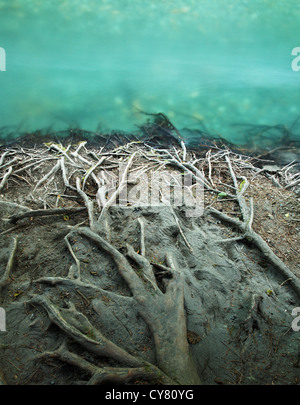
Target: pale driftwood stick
[
  {"x": 3, "y": 156},
  {"x": 165, "y": 269},
  {"x": 183, "y": 151},
  {"x": 5, "y": 178},
  {"x": 87, "y": 202},
  {"x": 10, "y": 163},
  {"x": 77, "y": 155},
  {"x": 63, "y": 152},
  {"x": 64, "y": 175},
  {"x": 49, "y": 174},
  {"x": 122, "y": 184},
  {"x": 232, "y": 173},
  {"x": 239, "y": 193},
  {"x": 34, "y": 164},
  {"x": 81, "y": 145},
  {"x": 43, "y": 213},
  {"x": 197, "y": 174},
  {"x": 176, "y": 153},
  {"x": 208, "y": 156},
  {"x": 14, "y": 205},
  {"x": 295, "y": 183},
  {"x": 92, "y": 153},
  {"x": 91, "y": 169},
  {"x": 5, "y": 277}
]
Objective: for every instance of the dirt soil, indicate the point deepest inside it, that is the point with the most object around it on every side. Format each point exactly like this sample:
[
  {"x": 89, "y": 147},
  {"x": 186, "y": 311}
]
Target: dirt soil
[{"x": 238, "y": 308}]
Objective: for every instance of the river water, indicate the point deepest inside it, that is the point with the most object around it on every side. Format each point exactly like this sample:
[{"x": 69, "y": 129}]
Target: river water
[{"x": 96, "y": 63}]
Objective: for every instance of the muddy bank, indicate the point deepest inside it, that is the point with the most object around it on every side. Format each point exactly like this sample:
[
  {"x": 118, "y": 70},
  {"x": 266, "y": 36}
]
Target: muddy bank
[{"x": 95, "y": 292}]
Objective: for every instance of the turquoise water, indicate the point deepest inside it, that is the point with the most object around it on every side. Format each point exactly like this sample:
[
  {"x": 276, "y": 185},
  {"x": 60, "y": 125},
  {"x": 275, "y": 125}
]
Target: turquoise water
[{"x": 90, "y": 63}]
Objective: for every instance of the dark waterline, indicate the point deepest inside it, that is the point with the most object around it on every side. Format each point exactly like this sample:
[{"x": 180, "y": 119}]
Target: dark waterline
[{"x": 95, "y": 64}]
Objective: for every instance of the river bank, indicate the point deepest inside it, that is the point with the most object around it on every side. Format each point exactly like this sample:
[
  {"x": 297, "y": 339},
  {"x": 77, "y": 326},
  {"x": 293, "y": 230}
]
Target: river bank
[{"x": 85, "y": 265}]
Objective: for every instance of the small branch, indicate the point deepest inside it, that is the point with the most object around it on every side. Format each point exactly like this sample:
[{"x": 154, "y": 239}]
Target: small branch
[
  {"x": 62, "y": 151},
  {"x": 295, "y": 183},
  {"x": 87, "y": 202},
  {"x": 43, "y": 213},
  {"x": 91, "y": 169},
  {"x": 73, "y": 255},
  {"x": 10, "y": 163},
  {"x": 181, "y": 231},
  {"x": 183, "y": 151},
  {"x": 208, "y": 156},
  {"x": 122, "y": 184},
  {"x": 49, "y": 174},
  {"x": 35, "y": 163},
  {"x": 5, "y": 178},
  {"x": 5, "y": 277},
  {"x": 239, "y": 192},
  {"x": 2, "y": 157},
  {"x": 64, "y": 175},
  {"x": 76, "y": 283},
  {"x": 14, "y": 205}
]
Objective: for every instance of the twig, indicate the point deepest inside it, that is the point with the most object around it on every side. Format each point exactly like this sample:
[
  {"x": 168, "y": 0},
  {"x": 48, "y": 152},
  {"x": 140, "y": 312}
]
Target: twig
[
  {"x": 2, "y": 157},
  {"x": 73, "y": 255},
  {"x": 62, "y": 151},
  {"x": 5, "y": 277},
  {"x": 49, "y": 174},
  {"x": 183, "y": 151},
  {"x": 208, "y": 156},
  {"x": 122, "y": 184},
  {"x": 45, "y": 212},
  {"x": 181, "y": 232},
  {"x": 88, "y": 203},
  {"x": 91, "y": 169},
  {"x": 5, "y": 178}
]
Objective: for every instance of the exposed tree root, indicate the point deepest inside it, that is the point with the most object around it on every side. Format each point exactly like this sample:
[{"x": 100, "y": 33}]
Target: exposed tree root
[
  {"x": 6, "y": 275},
  {"x": 75, "y": 325},
  {"x": 5, "y": 178},
  {"x": 247, "y": 233},
  {"x": 157, "y": 289},
  {"x": 161, "y": 311},
  {"x": 111, "y": 375},
  {"x": 43, "y": 213}
]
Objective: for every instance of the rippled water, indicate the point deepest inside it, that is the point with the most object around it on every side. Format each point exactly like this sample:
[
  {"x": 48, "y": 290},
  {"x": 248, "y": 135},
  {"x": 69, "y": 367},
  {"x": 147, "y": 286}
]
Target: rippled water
[{"x": 89, "y": 63}]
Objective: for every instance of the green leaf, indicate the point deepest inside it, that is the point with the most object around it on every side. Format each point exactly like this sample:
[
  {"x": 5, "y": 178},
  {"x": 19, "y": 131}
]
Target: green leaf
[
  {"x": 242, "y": 185},
  {"x": 222, "y": 194},
  {"x": 269, "y": 292}
]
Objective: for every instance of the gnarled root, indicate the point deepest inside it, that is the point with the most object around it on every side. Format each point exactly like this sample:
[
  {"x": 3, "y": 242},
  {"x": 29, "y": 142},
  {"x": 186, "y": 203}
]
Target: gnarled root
[
  {"x": 162, "y": 311},
  {"x": 78, "y": 327}
]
